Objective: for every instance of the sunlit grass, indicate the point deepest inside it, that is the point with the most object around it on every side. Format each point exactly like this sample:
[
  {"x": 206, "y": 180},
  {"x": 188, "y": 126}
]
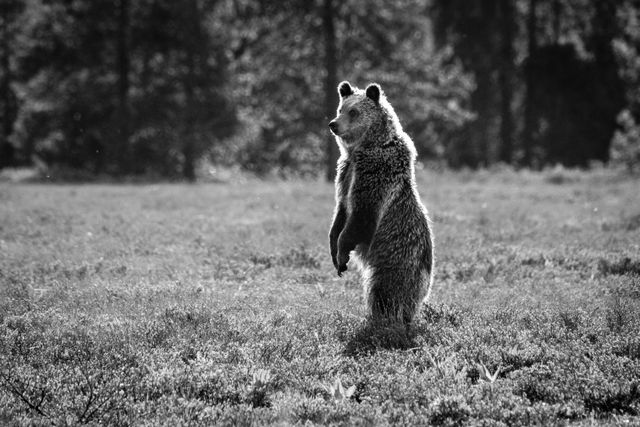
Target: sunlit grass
[{"x": 218, "y": 304}]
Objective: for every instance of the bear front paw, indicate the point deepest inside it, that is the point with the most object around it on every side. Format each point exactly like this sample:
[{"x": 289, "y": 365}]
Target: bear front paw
[
  {"x": 343, "y": 259},
  {"x": 341, "y": 269}
]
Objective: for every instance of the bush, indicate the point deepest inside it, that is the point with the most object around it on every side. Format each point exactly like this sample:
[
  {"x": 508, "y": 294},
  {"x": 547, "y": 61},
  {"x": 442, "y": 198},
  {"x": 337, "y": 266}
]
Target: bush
[{"x": 625, "y": 148}]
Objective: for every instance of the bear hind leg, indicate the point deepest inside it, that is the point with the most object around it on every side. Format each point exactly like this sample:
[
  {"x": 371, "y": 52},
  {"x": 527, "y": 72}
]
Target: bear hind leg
[{"x": 394, "y": 297}]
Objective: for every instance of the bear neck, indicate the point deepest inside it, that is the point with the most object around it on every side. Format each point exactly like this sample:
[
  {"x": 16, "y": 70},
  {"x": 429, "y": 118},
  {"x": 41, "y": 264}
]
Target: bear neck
[{"x": 378, "y": 134}]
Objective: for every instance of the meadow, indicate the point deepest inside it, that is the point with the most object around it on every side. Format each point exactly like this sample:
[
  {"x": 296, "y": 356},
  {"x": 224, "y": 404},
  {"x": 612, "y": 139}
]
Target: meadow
[{"x": 217, "y": 303}]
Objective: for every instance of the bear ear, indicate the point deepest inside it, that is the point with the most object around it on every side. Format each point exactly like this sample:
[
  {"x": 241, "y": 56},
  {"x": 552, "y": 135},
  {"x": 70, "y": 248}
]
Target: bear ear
[
  {"x": 345, "y": 89},
  {"x": 373, "y": 91}
]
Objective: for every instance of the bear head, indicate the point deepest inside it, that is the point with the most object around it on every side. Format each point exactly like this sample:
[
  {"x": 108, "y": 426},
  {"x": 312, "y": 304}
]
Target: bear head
[{"x": 360, "y": 112}]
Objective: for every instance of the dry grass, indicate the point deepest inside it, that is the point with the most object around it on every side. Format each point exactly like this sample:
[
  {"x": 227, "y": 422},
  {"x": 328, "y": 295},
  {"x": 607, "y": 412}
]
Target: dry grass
[{"x": 217, "y": 303}]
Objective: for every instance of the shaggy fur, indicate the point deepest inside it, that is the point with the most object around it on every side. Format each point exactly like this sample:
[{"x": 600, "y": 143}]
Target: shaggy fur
[{"x": 378, "y": 212}]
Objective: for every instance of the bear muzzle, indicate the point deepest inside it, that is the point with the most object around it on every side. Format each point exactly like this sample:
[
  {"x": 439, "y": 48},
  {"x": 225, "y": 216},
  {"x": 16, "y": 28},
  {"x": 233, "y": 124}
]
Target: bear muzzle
[{"x": 333, "y": 125}]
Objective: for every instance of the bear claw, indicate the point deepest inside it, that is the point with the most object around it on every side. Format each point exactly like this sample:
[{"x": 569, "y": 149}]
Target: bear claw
[{"x": 341, "y": 269}]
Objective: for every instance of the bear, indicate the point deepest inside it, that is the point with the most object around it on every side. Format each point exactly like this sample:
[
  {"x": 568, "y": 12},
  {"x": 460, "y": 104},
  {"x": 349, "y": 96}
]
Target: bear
[{"x": 378, "y": 213}]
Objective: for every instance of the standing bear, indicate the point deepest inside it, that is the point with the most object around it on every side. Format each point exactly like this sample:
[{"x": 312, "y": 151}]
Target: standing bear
[{"x": 378, "y": 212}]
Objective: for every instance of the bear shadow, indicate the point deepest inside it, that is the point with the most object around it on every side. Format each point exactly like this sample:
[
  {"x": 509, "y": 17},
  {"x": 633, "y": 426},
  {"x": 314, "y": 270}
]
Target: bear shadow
[{"x": 373, "y": 336}]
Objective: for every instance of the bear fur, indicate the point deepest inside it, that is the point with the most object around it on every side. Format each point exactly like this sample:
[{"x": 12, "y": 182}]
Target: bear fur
[{"x": 378, "y": 212}]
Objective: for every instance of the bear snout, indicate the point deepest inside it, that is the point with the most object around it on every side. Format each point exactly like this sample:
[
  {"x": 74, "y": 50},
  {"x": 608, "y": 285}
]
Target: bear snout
[{"x": 333, "y": 125}]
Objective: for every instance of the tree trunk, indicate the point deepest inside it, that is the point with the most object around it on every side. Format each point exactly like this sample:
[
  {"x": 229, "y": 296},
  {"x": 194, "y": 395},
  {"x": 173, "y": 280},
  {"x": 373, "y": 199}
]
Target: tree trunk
[
  {"x": 331, "y": 83},
  {"x": 529, "y": 107},
  {"x": 189, "y": 166},
  {"x": 481, "y": 102},
  {"x": 612, "y": 98},
  {"x": 123, "y": 154},
  {"x": 557, "y": 20},
  {"x": 188, "y": 133},
  {"x": 6, "y": 149},
  {"x": 506, "y": 80}
]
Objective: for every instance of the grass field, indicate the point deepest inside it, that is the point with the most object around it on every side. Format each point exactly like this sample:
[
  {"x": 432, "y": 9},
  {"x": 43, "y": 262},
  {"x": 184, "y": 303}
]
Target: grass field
[{"x": 218, "y": 304}]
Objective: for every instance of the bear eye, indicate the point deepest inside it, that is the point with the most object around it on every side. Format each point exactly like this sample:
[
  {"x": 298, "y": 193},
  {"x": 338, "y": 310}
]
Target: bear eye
[{"x": 353, "y": 114}]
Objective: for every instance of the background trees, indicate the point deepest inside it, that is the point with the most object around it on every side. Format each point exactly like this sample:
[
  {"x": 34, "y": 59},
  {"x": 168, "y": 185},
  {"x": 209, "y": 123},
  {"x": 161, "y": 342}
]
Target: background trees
[
  {"x": 123, "y": 87},
  {"x": 557, "y": 57},
  {"x": 10, "y": 13},
  {"x": 152, "y": 86}
]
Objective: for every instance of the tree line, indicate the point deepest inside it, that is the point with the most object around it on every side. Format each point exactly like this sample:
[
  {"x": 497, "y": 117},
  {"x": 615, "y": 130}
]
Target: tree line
[{"x": 123, "y": 87}]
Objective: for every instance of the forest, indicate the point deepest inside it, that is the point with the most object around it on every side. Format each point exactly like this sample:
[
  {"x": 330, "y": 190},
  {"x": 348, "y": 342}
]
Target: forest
[{"x": 156, "y": 87}]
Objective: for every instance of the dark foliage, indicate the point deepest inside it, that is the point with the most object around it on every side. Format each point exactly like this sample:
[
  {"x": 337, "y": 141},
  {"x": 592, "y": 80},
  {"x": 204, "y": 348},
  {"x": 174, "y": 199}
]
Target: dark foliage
[
  {"x": 570, "y": 79},
  {"x": 152, "y": 87}
]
